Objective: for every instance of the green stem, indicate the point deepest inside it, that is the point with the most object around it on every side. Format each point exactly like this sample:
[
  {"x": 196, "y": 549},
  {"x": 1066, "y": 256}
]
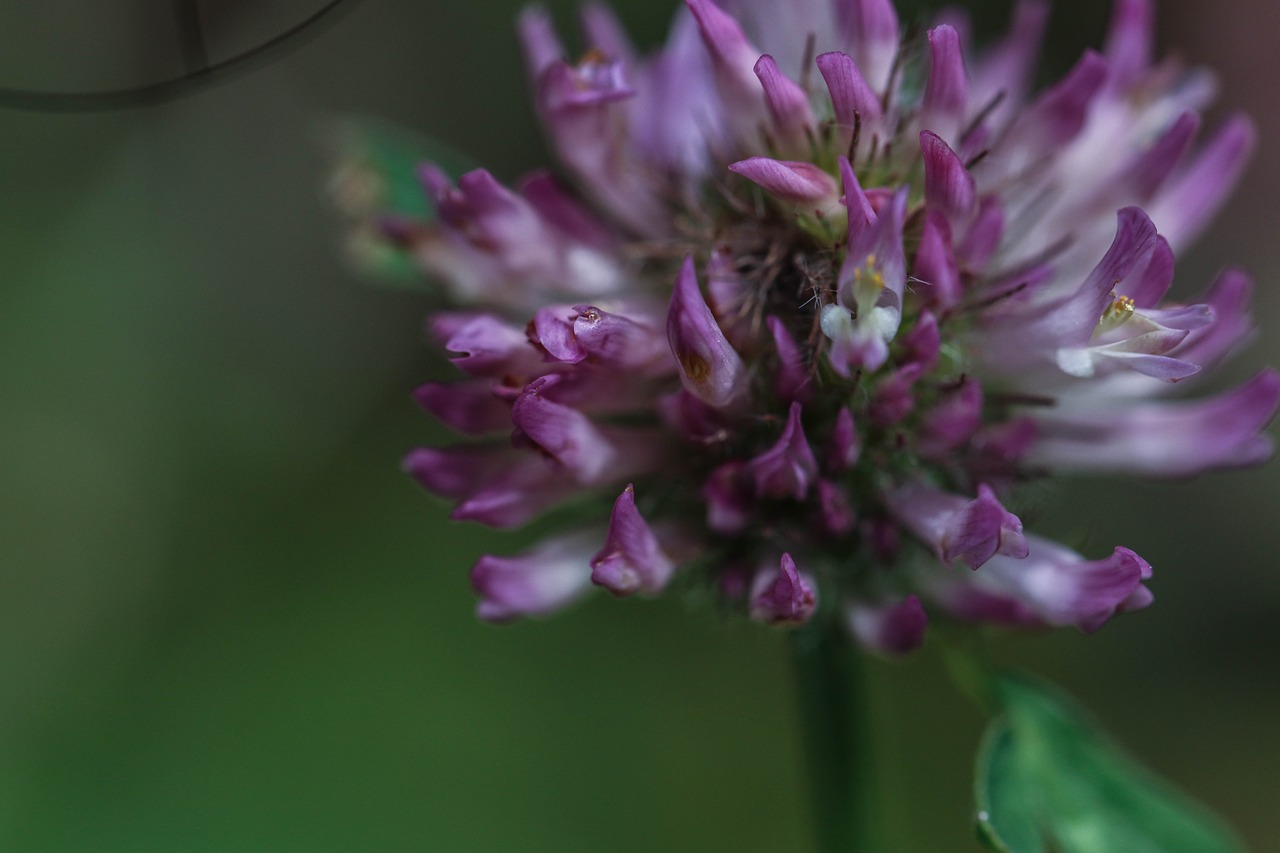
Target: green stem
[{"x": 837, "y": 746}]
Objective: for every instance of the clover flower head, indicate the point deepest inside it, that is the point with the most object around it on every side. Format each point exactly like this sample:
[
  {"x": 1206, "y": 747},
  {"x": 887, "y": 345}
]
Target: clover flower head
[{"x": 815, "y": 299}]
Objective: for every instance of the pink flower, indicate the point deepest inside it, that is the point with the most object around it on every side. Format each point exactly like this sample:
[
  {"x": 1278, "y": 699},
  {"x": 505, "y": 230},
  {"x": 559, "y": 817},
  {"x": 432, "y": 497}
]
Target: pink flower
[{"x": 922, "y": 288}]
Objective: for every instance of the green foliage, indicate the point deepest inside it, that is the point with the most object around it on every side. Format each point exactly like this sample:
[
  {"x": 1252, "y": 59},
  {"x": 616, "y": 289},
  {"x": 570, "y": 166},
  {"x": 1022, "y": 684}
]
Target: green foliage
[{"x": 1049, "y": 780}]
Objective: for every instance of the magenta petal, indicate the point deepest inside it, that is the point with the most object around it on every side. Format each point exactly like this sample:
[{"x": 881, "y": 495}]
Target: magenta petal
[
  {"x": 1231, "y": 328},
  {"x": 922, "y": 344},
  {"x": 733, "y": 57},
  {"x": 497, "y": 486},
  {"x": 948, "y": 186},
  {"x": 796, "y": 182},
  {"x": 538, "y": 38},
  {"x": 469, "y": 407},
  {"x": 730, "y": 499},
  {"x": 895, "y": 399},
  {"x": 946, "y": 92},
  {"x": 710, "y": 368},
  {"x": 1190, "y": 199},
  {"x": 968, "y": 531},
  {"x": 983, "y": 237},
  {"x": 1146, "y": 290},
  {"x": 605, "y": 32},
  {"x": 935, "y": 265},
  {"x": 788, "y": 105},
  {"x": 870, "y": 28},
  {"x": 1005, "y": 69},
  {"x": 845, "y": 445},
  {"x": 837, "y": 514},
  {"x": 553, "y": 330},
  {"x": 791, "y": 380},
  {"x": 952, "y": 421},
  {"x": 631, "y": 560},
  {"x": 982, "y": 529},
  {"x": 890, "y": 628},
  {"x": 591, "y": 453},
  {"x": 783, "y": 597},
  {"x": 1129, "y": 40},
  {"x": 861, "y": 216},
  {"x": 787, "y": 469},
  {"x": 1164, "y": 439},
  {"x": 545, "y": 579},
  {"x": 1154, "y": 165},
  {"x": 1053, "y": 585},
  {"x": 631, "y": 342},
  {"x": 490, "y": 347},
  {"x": 565, "y": 212},
  {"x": 1058, "y": 115},
  {"x": 852, "y": 100}
]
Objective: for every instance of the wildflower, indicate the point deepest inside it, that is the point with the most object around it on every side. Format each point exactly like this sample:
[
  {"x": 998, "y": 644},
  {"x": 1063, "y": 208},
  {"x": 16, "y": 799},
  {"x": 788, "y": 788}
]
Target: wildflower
[{"x": 798, "y": 337}]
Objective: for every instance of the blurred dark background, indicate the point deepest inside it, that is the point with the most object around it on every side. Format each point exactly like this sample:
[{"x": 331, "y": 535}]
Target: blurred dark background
[{"x": 228, "y": 622}]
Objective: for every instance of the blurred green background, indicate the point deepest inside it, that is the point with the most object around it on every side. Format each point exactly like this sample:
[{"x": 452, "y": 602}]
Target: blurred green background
[{"x": 229, "y": 623}]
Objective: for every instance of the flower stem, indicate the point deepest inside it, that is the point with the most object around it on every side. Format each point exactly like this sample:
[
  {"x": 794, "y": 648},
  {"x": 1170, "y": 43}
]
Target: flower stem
[{"x": 828, "y": 682}]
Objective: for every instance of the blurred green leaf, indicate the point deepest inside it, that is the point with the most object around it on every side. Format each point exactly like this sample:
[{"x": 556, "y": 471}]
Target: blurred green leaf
[{"x": 1049, "y": 779}]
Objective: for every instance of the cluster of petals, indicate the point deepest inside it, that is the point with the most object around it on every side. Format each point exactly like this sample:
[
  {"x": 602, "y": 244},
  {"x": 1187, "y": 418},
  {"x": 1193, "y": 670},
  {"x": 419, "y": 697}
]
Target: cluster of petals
[{"x": 815, "y": 299}]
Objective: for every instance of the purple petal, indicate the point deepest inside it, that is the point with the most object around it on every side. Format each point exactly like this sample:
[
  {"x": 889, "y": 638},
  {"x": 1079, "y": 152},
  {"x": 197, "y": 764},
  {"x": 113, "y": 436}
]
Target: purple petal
[
  {"x": 469, "y": 407},
  {"x": 891, "y": 628},
  {"x": 952, "y": 421},
  {"x": 1232, "y": 326},
  {"x": 591, "y": 453},
  {"x": 565, "y": 212},
  {"x": 982, "y": 529},
  {"x": 1005, "y": 69},
  {"x": 733, "y": 57},
  {"x": 870, "y": 28},
  {"x": 983, "y": 237},
  {"x": 1130, "y": 38},
  {"x": 631, "y": 560},
  {"x": 538, "y": 38},
  {"x": 894, "y": 399},
  {"x": 497, "y": 486},
  {"x": 946, "y": 92},
  {"x": 852, "y": 100},
  {"x": 783, "y": 596},
  {"x": 710, "y": 368},
  {"x": 1153, "y": 166},
  {"x": 547, "y": 578},
  {"x": 789, "y": 468},
  {"x": 1164, "y": 439},
  {"x": 970, "y": 531},
  {"x": 791, "y": 380},
  {"x": 488, "y": 346},
  {"x": 1055, "y": 117},
  {"x": 1189, "y": 201},
  {"x": 605, "y": 33},
  {"x": 935, "y": 267},
  {"x": 730, "y": 499},
  {"x": 1148, "y": 289},
  {"x": 796, "y": 182},
  {"x": 1051, "y": 586},
  {"x": 632, "y": 342},
  {"x": 861, "y": 215},
  {"x": 788, "y": 105},
  {"x": 845, "y": 445},
  {"x": 552, "y": 329},
  {"x": 837, "y": 514},
  {"x": 948, "y": 186}
]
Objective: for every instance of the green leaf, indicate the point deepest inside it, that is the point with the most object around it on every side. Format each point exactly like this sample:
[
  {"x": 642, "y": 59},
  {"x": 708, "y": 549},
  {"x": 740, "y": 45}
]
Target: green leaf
[
  {"x": 1006, "y": 806},
  {"x": 1049, "y": 779}
]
